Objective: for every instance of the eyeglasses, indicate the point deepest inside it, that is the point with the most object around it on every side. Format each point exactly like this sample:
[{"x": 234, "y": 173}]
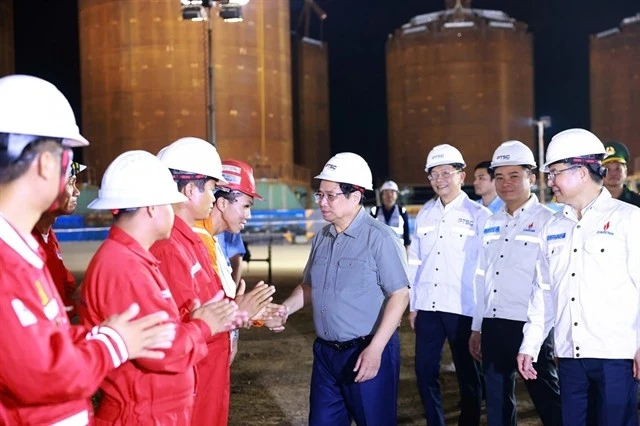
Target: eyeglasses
[
  {"x": 444, "y": 175},
  {"x": 553, "y": 174},
  {"x": 318, "y": 196}
]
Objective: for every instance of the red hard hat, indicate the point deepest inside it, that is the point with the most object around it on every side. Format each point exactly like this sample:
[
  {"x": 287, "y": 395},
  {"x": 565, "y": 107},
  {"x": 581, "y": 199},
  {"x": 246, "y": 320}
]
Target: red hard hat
[{"x": 240, "y": 177}]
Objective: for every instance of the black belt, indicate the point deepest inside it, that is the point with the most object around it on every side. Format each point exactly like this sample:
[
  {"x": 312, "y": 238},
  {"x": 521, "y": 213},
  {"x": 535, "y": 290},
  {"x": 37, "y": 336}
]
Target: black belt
[{"x": 341, "y": 346}]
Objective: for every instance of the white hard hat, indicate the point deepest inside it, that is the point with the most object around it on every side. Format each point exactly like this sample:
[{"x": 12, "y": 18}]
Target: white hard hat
[
  {"x": 443, "y": 154},
  {"x": 513, "y": 153},
  {"x": 347, "y": 167},
  {"x": 194, "y": 156},
  {"x": 389, "y": 185},
  {"x": 573, "y": 143},
  {"x": 136, "y": 179},
  {"x": 31, "y": 107}
]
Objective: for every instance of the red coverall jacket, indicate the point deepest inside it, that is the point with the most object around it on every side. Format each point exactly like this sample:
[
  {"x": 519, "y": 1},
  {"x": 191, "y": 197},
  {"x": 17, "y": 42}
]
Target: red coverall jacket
[
  {"x": 187, "y": 269},
  {"x": 144, "y": 391},
  {"x": 62, "y": 278},
  {"x": 48, "y": 368}
]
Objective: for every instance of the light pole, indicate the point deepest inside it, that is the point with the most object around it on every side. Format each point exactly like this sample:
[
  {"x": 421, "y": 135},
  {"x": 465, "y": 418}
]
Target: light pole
[
  {"x": 202, "y": 10},
  {"x": 542, "y": 123}
]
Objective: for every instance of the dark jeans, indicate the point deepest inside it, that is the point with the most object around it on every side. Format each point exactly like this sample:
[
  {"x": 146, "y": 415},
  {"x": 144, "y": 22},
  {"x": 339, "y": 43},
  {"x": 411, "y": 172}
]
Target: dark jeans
[
  {"x": 501, "y": 341},
  {"x": 336, "y": 399},
  {"x": 432, "y": 328},
  {"x": 612, "y": 385}
]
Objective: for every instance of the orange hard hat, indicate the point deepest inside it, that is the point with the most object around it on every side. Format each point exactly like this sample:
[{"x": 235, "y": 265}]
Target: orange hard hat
[{"x": 240, "y": 177}]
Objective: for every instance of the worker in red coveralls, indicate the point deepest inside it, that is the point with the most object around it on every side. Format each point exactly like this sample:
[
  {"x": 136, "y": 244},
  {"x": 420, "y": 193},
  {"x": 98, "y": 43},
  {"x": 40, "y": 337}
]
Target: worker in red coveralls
[
  {"x": 196, "y": 168},
  {"x": 159, "y": 392},
  {"x": 43, "y": 233},
  {"x": 48, "y": 368}
]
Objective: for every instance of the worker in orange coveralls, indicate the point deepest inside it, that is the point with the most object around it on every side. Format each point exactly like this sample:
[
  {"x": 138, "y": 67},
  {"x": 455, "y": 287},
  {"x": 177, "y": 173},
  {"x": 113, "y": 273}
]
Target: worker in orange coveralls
[
  {"x": 44, "y": 235},
  {"x": 146, "y": 391},
  {"x": 196, "y": 168},
  {"x": 48, "y": 368},
  {"x": 231, "y": 210}
]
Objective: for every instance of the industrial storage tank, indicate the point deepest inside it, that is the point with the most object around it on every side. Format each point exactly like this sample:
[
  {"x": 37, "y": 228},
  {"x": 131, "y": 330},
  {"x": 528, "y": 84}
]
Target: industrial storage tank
[
  {"x": 253, "y": 89},
  {"x": 461, "y": 76},
  {"x": 311, "y": 96},
  {"x": 615, "y": 86},
  {"x": 144, "y": 81},
  {"x": 7, "y": 52}
]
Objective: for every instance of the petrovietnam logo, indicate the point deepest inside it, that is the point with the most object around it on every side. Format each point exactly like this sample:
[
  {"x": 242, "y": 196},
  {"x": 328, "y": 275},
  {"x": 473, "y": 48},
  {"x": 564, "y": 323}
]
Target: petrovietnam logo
[{"x": 605, "y": 229}]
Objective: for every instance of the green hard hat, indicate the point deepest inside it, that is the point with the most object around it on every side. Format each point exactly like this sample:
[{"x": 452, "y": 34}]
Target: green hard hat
[{"x": 616, "y": 151}]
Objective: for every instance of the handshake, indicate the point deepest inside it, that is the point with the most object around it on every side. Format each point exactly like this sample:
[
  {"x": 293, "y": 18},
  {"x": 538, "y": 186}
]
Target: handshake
[{"x": 248, "y": 308}]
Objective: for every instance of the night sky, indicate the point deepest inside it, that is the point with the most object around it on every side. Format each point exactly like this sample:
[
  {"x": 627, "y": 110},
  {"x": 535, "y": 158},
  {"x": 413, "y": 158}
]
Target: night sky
[{"x": 46, "y": 36}]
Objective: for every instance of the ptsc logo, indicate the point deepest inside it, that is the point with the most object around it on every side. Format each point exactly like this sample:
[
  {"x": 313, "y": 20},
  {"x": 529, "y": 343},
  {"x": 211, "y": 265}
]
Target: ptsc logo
[
  {"x": 330, "y": 166},
  {"x": 503, "y": 157}
]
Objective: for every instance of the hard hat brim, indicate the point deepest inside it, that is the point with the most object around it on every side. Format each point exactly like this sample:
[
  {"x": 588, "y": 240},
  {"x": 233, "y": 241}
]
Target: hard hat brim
[{"x": 111, "y": 203}]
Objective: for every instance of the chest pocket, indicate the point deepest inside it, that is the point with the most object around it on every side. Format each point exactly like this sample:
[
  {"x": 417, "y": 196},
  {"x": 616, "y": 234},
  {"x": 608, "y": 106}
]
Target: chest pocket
[
  {"x": 459, "y": 237},
  {"x": 607, "y": 251},
  {"x": 427, "y": 235},
  {"x": 554, "y": 256},
  {"x": 527, "y": 242},
  {"x": 318, "y": 271},
  {"x": 352, "y": 276}
]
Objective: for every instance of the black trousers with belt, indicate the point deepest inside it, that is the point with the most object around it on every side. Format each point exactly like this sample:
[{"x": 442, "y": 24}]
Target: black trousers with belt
[{"x": 501, "y": 341}]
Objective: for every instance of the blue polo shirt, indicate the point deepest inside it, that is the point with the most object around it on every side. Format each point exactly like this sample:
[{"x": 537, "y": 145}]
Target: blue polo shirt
[
  {"x": 351, "y": 274},
  {"x": 231, "y": 244}
]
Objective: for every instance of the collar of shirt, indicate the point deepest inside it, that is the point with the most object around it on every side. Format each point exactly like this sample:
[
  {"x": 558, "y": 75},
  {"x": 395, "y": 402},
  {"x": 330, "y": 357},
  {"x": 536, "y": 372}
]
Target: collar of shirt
[
  {"x": 454, "y": 203},
  {"x": 181, "y": 227},
  {"x": 354, "y": 228},
  {"x": 120, "y": 236},
  {"x": 522, "y": 210},
  {"x": 598, "y": 204},
  {"x": 25, "y": 245}
]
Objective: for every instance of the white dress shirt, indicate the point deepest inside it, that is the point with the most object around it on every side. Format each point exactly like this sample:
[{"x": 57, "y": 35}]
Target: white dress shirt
[
  {"x": 507, "y": 262},
  {"x": 443, "y": 255},
  {"x": 588, "y": 283}
]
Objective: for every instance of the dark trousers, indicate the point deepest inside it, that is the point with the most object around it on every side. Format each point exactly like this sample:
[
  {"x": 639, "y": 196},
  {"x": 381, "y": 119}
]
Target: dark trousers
[
  {"x": 336, "y": 400},
  {"x": 612, "y": 383},
  {"x": 432, "y": 328},
  {"x": 501, "y": 341}
]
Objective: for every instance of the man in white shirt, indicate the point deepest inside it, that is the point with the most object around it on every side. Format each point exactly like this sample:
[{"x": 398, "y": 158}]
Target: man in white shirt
[
  {"x": 504, "y": 281},
  {"x": 484, "y": 186},
  {"x": 587, "y": 287},
  {"x": 442, "y": 260}
]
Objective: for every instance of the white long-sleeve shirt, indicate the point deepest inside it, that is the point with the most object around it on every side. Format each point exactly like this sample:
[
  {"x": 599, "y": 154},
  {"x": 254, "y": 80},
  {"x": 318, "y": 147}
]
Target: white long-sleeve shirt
[
  {"x": 588, "y": 283},
  {"x": 443, "y": 255},
  {"x": 507, "y": 262}
]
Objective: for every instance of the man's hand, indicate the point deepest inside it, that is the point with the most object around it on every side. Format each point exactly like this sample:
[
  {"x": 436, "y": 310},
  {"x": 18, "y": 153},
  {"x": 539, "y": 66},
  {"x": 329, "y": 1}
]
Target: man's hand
[
  {"x": 636, "y": 365},
  {"x": 277, "y": 322},
  {"x": 412, "y": 319},
  {"x": 254, "y": 301},
  {"x": 525, "y": 367},
  {"x": 368, "y": 364},
  {"x": 270, "y": 311},
  {"x": 475, "y": 347},
  {"x": 218, "y": 313},
  {"x": 143, "y": 336}
]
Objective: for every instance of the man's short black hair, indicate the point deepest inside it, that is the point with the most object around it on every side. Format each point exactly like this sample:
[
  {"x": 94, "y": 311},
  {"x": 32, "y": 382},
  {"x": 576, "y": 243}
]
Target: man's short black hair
[{"x": 485, "y": 165}]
